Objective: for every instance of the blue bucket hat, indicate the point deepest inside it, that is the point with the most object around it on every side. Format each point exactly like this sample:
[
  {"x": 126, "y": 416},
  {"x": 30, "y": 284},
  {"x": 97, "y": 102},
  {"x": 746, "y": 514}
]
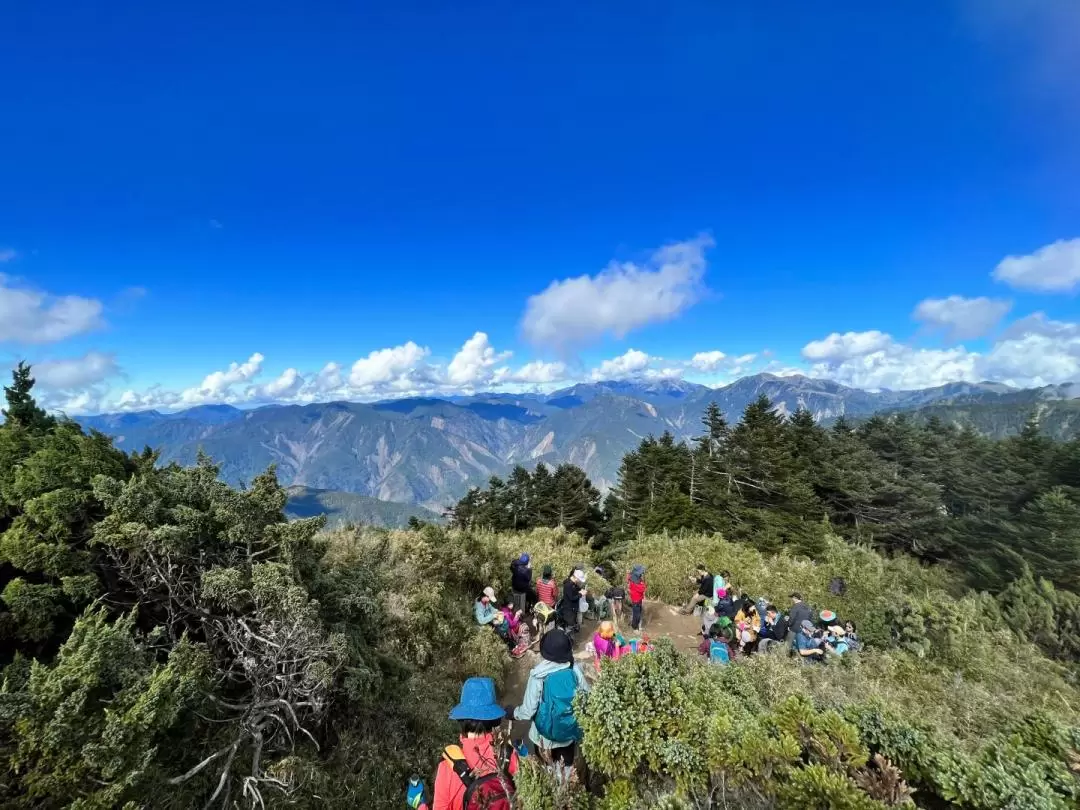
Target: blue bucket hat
[
  {"x": 524, "y": 558},
  {"x": 478, "y": 701}
]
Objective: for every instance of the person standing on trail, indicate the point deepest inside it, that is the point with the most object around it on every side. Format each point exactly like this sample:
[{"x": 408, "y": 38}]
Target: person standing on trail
[
  {"x": 573, "y": 592},
  {"x": 548, "y": 703},
  {"x": 635, "y": 587},
  {"x": 473, "y": 774},
  {"x": 546, "y": 589},
  {"x": 521, "y": 584}
]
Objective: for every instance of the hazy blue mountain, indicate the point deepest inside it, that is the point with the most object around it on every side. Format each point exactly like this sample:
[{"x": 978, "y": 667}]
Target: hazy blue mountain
[
  {"x": 347, "y": 507},
  {"x": 428, "y": 451}
]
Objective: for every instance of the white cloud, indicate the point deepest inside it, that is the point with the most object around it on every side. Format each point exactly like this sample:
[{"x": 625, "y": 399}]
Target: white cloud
[
  {"x": 474, "y": 363},
  {"x": 623, "y": 297},
  {"x": 1052, "y": 268},
  {"x": 708, "y": 362},
  {"x": 1033, "y": 351},
  {"x": 285, "y": 387},
  {"x": 7, "y": 255},
  {"x": 837, "y": 348},
  {"x": 399, "y": 368},
  {"x": 217, "y": 386},
  {"x": 961, "y": 318},
  {"x": 633, "y": 363},
  {"x": 75, "y": 372},
  {"x": 32, "y": 316},
  {"x": 537, "y": 372}
]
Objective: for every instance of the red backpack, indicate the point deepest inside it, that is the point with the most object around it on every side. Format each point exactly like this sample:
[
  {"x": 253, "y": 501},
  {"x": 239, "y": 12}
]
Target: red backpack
[{"x": 487, "y": 791}]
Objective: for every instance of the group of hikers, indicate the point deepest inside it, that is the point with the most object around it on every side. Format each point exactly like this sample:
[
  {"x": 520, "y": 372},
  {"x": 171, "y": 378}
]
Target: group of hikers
[
  {"x": 556, "y": 605},
  {"x": 478, "y": 771},
  {"x": 737, "y": 624}
]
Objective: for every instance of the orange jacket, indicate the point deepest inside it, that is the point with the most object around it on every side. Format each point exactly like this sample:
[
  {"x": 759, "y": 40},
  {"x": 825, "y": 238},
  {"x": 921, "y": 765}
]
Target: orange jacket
[{"x": 480, "y": 755}]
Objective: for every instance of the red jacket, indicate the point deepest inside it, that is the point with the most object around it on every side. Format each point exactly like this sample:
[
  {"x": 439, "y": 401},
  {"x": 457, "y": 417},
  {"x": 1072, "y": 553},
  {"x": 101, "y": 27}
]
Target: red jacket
[
  {"x": 480, "y": 754},
  {"x": 636, "y": 590},
  {"x": 546, "y": 591}
]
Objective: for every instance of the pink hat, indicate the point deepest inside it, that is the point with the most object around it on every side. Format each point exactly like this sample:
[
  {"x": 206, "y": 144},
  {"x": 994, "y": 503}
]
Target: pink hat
[{"x": 721, "y": 592}]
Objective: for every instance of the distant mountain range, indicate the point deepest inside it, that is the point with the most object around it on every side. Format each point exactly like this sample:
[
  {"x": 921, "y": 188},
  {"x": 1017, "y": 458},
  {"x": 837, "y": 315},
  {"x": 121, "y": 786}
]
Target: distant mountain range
[
  {"x": 341, "y": 508},
  {"x": 427, "y": 451}
]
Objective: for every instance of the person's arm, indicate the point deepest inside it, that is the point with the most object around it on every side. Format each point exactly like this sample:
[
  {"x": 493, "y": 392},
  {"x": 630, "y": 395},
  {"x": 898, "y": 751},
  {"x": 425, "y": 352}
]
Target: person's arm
[
  {"x": 579, "y": 676},
  {"x": 531, "y": 701},
  {"x": 444, "y": 792}
]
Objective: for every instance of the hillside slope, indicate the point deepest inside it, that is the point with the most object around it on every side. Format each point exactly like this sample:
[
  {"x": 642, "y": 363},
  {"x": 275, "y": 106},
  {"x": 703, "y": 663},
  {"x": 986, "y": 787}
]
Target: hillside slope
[{"x": 342, "y": 508}]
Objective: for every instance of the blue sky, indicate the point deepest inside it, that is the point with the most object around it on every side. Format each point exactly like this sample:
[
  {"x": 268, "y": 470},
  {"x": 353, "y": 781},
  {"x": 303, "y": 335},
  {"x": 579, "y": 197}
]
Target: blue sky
[{"x": 204, "y": 203}]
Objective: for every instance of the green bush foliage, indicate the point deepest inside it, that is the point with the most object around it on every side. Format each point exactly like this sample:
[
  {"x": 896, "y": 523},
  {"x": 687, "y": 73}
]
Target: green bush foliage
[{"x": 170, "y": 642}]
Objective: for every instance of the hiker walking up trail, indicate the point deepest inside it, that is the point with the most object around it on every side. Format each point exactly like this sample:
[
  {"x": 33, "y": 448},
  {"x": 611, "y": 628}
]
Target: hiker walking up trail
[
  {"x": 548, "y": 702},
  {"x": 473, "y": 774}
]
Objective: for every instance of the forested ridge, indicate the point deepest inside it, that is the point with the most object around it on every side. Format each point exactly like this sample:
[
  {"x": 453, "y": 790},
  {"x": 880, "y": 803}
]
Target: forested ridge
[{"x": 170, "y": 641}]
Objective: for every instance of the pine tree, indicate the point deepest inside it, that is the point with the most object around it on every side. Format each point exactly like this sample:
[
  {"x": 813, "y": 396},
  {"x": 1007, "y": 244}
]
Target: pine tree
[{"x": 21, "y": 408}]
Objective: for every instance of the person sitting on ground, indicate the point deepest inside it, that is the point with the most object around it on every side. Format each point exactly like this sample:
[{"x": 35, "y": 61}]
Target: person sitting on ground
[
  {"x": 852, "y": 636},
  {"x": 519, "y": 630},
  {"x": 572, "y": 593},
  {"x": 836, "y": 641},
  {"x": 521, "y": 584},
  {"x": 725, "y": 605},
  {"x": 473, "y": 768},
  {"x": 547, "y": 590},
  {"x": 708, "y": 619},
  {"x": 704, "y": 581},
  {"x": 807, "y": 644},
  {"x": 774, "y": 631},
  {"x": 484, "y": 608},
  {"x": 635, "y": 587},
  {"x": 607, "y": 643},
  {"x": 719, "y": 650},
  {"x": 826, "y": 619},
  {"x": 548, "y": 703},
  {"x": 800, "y": 611}
]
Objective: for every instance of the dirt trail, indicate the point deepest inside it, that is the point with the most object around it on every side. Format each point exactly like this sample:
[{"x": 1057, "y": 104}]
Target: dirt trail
[{"x": 658, "y": 621}]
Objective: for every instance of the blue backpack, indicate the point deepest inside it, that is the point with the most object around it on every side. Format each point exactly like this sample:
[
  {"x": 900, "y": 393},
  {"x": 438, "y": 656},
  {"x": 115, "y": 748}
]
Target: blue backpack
[
  {"x": 555, "y": 717},
  {"x": 718, "y": 652}
]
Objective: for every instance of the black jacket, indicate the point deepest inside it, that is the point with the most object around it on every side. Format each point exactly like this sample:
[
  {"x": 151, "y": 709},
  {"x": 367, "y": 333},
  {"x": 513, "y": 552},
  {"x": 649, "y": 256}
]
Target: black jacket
[
  {"x": 521, "y": 577},
  {"x": 777, "y": 631},
  {"x": 800, "y": 612},
  {"x": 571, "y": 596}
]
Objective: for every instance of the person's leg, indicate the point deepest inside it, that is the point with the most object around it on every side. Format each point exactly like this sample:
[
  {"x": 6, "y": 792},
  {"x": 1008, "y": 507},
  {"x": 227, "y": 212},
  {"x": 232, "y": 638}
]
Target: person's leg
[
  {"x": 695, "y": 600},
  {"x": 635, "y": 615},
  {"x": 519, "y": 601}
]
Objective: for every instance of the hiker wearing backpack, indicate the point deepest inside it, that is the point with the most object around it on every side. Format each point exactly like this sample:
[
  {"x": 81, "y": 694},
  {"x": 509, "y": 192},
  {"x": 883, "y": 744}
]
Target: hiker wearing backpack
[
  {"x": 635, "y": 588},
  {"x": 473, "y": 775},
  {"x": 548, "y": 702}
]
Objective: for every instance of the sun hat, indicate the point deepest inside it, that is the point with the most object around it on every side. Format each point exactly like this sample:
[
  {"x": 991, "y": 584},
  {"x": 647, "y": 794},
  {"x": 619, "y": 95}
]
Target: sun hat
[
  {"x": 579, "y": 575},
  {"x": 524, "y": 558},
  {"x": 489, "y": 592},
  {"x": 807, "y": 624},
  {"x": 828, "y": 616},
  {"x": 721, "y": 593},
  {"x": 607, "y": 629},
  {"x": 837, "y": 630},
  {"x": 557, "y": 648},
  {"x": 478, "y": 702}
]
